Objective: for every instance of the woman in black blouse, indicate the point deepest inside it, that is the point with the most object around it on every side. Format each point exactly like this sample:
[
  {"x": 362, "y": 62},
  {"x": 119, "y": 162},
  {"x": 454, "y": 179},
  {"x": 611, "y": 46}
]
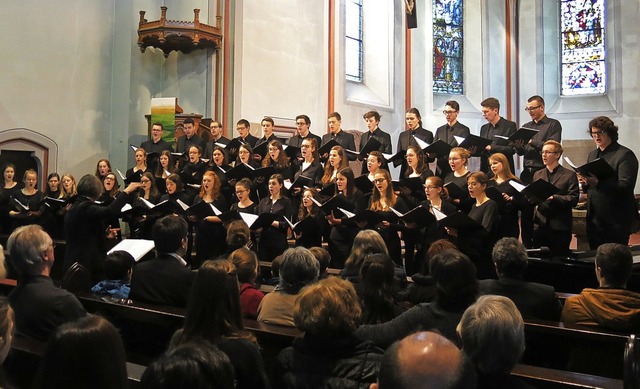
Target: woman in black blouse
[
  {"x": 219, "y": 165},
  {"x": 166, "y": 166},
  {"x": 193, "y": 170},
  {"x": 52, "y": 219},
  {"x": 140, "y": 157},
  {"x": 29, "y": 197},
  {"x": 311, "y": 234},
  {"x": 343, "y": 231},
  {"x": 511, "y": 203},
  {"x": 273, "y": 239},
  {"x": 9, "y": 189},
  {"x": 210, "y": 233},
  {"x": 458, "y": 161}
]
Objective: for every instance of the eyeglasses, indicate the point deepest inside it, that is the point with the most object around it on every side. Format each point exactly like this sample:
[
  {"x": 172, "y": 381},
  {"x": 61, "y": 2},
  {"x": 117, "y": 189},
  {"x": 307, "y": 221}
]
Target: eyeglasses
[
  {"x": 529, "y": 109},
  {"x": 430, "y": 187},
  {"x": 240, "y": 191},
  {"x": 379, "y": 180},
  {"x": 448, "y": 112},
  {"x": 598, "y": 133}
]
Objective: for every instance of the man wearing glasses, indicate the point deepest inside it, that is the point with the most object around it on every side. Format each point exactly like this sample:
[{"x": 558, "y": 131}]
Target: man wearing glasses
[
  {"x": 548, "y": 129},
  {"x": 447, "y": 132},
  {"x": 155, "y": 146},
  {"x": 302, "y": 126}
]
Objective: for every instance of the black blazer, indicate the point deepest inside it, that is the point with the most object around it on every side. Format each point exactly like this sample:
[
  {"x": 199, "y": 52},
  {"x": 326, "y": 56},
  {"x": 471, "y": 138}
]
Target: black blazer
[
  {"x": 183, "y": 143},
  {"x": 345, "y": 140},
  {"x": 84, "y": 227},
  {"x": 162, "y": 280},
  {"x": 313, "y": 171},
  {"x": 504, "y": 127},
  {"x": 379, "y": 135},
  {"x": 556, "y": 213},
  {"x": 534, "y": 301}
]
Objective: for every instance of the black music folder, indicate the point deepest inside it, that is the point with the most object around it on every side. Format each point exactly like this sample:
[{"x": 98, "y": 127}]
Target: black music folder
[
  {"x": 537, "y": 192},
  {"x": 598, "y": 167}
]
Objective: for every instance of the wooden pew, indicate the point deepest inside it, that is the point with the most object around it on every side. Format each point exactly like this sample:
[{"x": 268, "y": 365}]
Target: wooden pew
[{"x": 545, "y": 378}]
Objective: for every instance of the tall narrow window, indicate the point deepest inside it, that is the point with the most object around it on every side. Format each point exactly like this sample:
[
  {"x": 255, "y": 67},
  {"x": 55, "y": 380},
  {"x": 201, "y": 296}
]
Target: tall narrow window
[
  {"x": 353, "y": 41},
  {"x": 583, "y": 47},
  {"x": 447, "y": 47}
]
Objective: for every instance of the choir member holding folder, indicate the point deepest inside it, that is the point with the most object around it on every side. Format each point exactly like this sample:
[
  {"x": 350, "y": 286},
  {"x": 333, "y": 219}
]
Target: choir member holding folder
[
  {"x": 273, "y": 238},
  {"x": 166, "y": 166},
  {"x": 477, "y": 237},
  {"x": 27, "y": 205},
  {"x": 141, "y": 223},
  {"x": 417, "y": 171},
  {"x": 210, "y": 233},
  {"x": 337, "y": 161},
  {"x": 343, "y": 231},
  {"x": 553, "y": 218},
  {"x": 309, "y": 228},
  {"x": 505, "y": 195},
  {"x": 219, "y": 165},
  {"x": 382, "y": 200},
  {"x": 458, "y": 161},
  {"x": 611, "y": 207}
]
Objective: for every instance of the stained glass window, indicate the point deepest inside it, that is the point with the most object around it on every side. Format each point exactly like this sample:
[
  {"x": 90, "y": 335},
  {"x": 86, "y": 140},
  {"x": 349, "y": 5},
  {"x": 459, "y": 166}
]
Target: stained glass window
[
  {"x": 447, "y": 47},
  {"x": 353, "y": 41},
  {"x": 582, "y": 24}
]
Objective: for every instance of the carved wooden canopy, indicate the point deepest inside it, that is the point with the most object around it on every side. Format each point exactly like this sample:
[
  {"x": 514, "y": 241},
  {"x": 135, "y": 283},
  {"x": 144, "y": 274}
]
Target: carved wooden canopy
[{"x": 169, "y": 35}]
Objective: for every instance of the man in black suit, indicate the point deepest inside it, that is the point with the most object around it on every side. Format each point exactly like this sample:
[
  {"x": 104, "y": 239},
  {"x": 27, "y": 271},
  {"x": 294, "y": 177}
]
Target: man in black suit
[
  {"x": 373, "y": 120},
  {"x": 216, "y": 137},
  {"x": 155, "y": 145},
  {"x": 534, "y": 301},
  {"x": 302, "y": 124},
  {"x": 553, "y": 218},
  {"x": 447, "y": 133},
  {"x": 611, "y": 207},
  {"x": 244, "y": 136},
  {"x": 345, "y": 140},
  {"x": 548, "y": 129},
  {"x": 497, "y": 125},
  {"x": 39, "y": 306},
  {"x": 190, "y": 138},
  {"x": 267, "y": 125},
  {"x": 414, "y": 130},
  {"x": 166, "y": 279}
]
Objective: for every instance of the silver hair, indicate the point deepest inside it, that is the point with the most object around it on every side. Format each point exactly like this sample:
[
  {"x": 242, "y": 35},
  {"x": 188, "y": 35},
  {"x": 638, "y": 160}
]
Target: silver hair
[{"x": 25, "y": 245}]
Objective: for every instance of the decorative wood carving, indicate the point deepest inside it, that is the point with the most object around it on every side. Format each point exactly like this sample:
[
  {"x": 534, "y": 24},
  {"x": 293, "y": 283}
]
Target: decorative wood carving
[{"x": 170, "y": 35}]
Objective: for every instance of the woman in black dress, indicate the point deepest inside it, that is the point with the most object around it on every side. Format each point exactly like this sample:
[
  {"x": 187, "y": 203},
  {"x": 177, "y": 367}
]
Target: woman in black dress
[
  {"x": 9, "y": 189},
  {"x": 311, "y": 234},
  {"x": 510, "y": 202},
  {"x": 219, "y": 165},
  {"x": 141, "y": 226},
  {"x": 273, "y": 238},
  {"x": 166, "y": 166},
  {"x": 210, "y": 233},
  {"x": 140, "y": 157},
  {"x": 28, "y": 197},
  {"x": 458, "y": 161},
  {"x": 52, "y": 219},
  {"x": 102, "y": 168}
]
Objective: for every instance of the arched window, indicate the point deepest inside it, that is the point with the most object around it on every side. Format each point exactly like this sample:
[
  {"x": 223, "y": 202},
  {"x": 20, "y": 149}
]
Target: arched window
[
  {"x": 448, "y": 47},
  {"x": 582, "y": 23},
  {"x": 354, "y": 41}
]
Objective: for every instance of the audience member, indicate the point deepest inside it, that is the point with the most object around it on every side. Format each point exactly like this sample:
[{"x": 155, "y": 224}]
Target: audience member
[
  {"x": 7, "y": 320},
  {"x": 535, "y": 301},
  {"x": 492, "y": 333},
  {"x": 194, "y": 365},
  {"x": 213, "y": 315},
  {"x": 87, "y": 353},
  {"x": 611, "y": 305},
  {"x": 456, "y": 289},
  {"x": 425, "y": 360},
  {"x": 323, "y": 258},
  {"x": 165, "y": 279},
  {"x": 378, "y": 290},
  {"x": 247, "y": 266},
  {"x": 39, "y": 306},
  {"x": 238, "y": 236},
  {"x": 423, "y": 288},
  {"x": 117, "y": 269},
  {"x": 329, "y": 355},
  {"x": 299, "y": 268}
]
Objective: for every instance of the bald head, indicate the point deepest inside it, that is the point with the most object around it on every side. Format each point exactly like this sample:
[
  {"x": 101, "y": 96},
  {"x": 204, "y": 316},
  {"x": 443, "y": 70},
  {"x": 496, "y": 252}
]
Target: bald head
[{"x": 424, "y": 360}]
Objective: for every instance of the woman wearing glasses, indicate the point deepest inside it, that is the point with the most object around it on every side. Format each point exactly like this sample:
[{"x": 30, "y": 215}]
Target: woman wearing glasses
[{"x": 141, "y": 225}]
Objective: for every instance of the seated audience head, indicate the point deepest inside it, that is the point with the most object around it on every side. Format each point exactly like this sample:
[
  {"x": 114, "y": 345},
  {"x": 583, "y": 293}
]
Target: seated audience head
[
  {"x": 613, "y": 265},
  {"x": 377, "y": 276},
  {"x": 170, "y": 234},
  {"x": 455, "y": 276},
  {"x": 436, "y": 248},
  {"x": 90, "y": 187},
  {"x": 86, "y": 353},
  {"x": 213, "y": 310},
  {"x": 246, "y": 263},
  {"x": 276, "y": 264},
  {"x": 329, "y": 307},
  {"x": 299, "y": 268},
  {"x": 492, "y": 334},
  {"x": 366, "y": 242},
  {"x": 118, "y": 265},
  {"x": 323, "y": 258},
  {"x": 6, "y": 327},
  {"x": 31, "y": 250},
  {"x": 193, "y": 365},
  {"x": 510, "y": 258},
  {"x": 425, "y": 360},
  {"x": 238, "y": 234}
]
